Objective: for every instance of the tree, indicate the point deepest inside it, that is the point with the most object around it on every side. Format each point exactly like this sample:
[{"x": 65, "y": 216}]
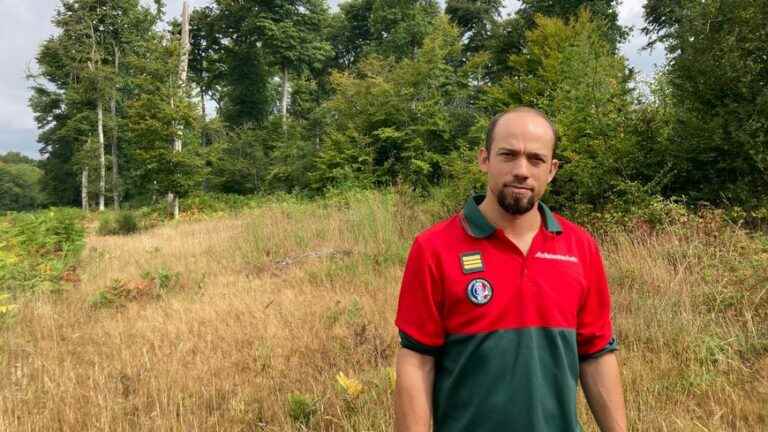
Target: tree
[
  {"x": 287, "y": 32},
  {"x": 182, "y": 83},
  {"x": 716, "y": 79},
  {"x": 396, "y": 121},
  {"x": 76, "y": 75},
  {"x": 604, "y": 12},
  {"x": 205, "y": 60},
  {"x": 19, "y": 183},
  {"x": 156, "y": 111},
  {"x": 570, "y": 71},
  {"x": 476, "y": 19}
]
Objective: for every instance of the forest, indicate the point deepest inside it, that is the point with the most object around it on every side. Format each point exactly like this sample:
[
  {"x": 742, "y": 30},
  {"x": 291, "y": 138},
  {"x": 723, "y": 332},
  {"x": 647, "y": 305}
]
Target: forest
[{"x": 292, "y": 97}]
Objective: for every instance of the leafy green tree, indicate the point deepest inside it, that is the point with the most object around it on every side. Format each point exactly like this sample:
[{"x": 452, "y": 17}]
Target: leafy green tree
[
  {"x": 399, "y": 27},
  {"x": 388, "y": 28},
  {"x": 571, "y": 72},
  {"x": 13, "y": 157},
  {"x": 19, "y": 184},
  {"x": 395, "y": 121},
  {"x": 156, "y": 111},
  {"x": 476, "y": 19},
  {"x": 605, "y": 13},
  {"x": 286, "y": 34},
  {"x": 717, "y": 96},
  {"x": 79, "y": 72}
]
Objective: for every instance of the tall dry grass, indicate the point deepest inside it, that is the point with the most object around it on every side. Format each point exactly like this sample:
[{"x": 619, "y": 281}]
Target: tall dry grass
[{"x": 265, "y": 309}]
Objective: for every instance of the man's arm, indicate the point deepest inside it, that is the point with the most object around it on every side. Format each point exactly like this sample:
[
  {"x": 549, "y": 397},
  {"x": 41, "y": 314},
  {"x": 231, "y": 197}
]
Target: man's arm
[
  {"x": 602, "y": 387},
  {"x": 413, "y": 391}
]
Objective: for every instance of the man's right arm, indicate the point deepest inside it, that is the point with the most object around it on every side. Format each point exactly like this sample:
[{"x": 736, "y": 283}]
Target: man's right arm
[{"x": 413, "y": 391}]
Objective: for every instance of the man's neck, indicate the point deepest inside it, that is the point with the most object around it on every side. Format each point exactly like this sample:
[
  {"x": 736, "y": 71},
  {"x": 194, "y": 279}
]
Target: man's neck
[{"x": 514, "y": 226}]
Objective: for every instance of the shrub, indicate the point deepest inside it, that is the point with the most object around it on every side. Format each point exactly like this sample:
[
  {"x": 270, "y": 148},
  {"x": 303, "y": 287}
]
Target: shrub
[
  {"x": 301, "y": 409},
  {"x": 150, "y": 286},
  {"x": 120, "y": 223}
]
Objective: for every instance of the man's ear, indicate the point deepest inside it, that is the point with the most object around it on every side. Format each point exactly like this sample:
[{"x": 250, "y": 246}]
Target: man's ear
[
  {"x": 553, "y": 167},
  {"x": 482, "y": 159}
]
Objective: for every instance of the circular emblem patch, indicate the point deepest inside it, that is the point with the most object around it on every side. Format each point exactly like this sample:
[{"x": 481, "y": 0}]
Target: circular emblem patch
[{"x": 479, "y": 291}]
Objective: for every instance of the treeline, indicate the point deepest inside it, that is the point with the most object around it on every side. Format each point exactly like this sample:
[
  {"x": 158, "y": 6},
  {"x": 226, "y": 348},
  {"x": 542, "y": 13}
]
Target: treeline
[{"x": 384, "y": 92}]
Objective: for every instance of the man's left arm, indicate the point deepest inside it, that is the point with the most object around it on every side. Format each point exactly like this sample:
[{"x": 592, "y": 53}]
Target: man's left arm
[
  {"x": 602, "y": 387},
  {"x": 598, "y": 366}
]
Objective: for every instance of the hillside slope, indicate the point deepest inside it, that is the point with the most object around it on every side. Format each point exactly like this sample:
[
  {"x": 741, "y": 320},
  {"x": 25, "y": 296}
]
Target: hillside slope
[{"x": 244, "y": 323}]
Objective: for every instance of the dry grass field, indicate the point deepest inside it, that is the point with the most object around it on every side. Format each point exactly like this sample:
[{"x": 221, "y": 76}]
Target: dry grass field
[{"x": 244, "y": 323}]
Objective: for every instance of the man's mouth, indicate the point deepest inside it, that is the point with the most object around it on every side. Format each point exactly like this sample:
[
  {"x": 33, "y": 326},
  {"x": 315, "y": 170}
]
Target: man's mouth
[{"x": 519, "y": 188}]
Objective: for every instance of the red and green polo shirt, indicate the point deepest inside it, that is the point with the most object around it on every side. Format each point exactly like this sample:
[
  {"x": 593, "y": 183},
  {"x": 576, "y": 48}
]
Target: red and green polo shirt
[{"x": 507, "y": 329}]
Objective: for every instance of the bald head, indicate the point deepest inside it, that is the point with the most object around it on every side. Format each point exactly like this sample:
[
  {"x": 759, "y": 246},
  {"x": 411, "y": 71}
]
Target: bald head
[{"x": 521, "y": 113}]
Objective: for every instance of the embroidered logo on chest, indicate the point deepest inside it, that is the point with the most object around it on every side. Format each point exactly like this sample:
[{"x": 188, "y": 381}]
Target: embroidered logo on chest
[
  {"x": 479, "y": 291},
  {"x": 556, "y": 257}
]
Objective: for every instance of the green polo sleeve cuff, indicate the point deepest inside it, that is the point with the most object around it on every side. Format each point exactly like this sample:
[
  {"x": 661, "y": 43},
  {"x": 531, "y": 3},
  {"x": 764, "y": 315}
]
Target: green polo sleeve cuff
[
  {"x": 613, "y": 345},
  {"x": 413, "y": 345}
]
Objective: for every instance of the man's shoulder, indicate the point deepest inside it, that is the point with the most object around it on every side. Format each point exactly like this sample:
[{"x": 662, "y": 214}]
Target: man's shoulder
[
  {"x": 439, "y": 232},
  {"x": 575, "y": 231}
]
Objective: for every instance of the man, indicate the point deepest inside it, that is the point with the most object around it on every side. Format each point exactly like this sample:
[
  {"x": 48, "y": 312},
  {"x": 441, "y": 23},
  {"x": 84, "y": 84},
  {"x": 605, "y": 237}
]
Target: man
[{"x": 504, "y": 306}]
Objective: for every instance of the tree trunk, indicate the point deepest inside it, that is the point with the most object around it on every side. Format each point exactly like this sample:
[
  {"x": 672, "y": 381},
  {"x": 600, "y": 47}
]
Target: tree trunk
[
  {"x": 183, "y": 66},
  {"x": 102, "y": 159},
  {"x": 84, "y": 189},
  {"x": 284, "y": 103},
  {"x": 204, "y": 118},
  {"x": 113, "y": 109},
  {"x": 203, "y": 131},
  {"x": 93, "y": 65}
]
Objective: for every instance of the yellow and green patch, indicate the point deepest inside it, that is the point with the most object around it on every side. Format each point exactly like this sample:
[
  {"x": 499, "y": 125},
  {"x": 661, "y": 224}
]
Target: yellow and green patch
[{"x": 472, "y": 262}]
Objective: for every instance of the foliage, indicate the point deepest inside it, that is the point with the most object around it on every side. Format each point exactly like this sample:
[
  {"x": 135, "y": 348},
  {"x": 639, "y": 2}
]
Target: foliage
[
  {"x": 395, "y": 121},
  {"x": 394, "y": 92},
  {"x": 476, "y": 19},
  {"x": 301, "y": 409},
  {"x": 150, "y": 286},
  {"x": 36, "y": 248},
  {"x": 716, "y": 101},
  {"x": 20, "y": 186},
  {"x": 77, "y": 74},
  {"x": 119, "y": 223},
  {"x": 570, "y": 72},
  {"x": 606, "y": 13}
]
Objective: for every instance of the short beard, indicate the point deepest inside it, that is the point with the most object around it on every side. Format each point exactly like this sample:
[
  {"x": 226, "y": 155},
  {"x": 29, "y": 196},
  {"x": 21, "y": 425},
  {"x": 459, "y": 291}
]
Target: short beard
[{"x": 515, "y": 205}]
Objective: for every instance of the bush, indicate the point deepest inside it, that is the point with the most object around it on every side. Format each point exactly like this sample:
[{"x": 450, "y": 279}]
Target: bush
[
  {"x": 301, "y": 409},
  {"x": 120, "y": 223}
]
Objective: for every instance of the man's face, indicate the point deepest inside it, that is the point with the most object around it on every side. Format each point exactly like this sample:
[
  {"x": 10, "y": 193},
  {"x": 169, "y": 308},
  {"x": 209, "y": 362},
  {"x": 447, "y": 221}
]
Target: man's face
[{"x": 519, "y": 164}]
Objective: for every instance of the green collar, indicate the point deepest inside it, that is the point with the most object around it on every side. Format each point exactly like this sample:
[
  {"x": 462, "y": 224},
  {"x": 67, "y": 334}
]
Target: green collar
[{"x": 478, "y": 226}]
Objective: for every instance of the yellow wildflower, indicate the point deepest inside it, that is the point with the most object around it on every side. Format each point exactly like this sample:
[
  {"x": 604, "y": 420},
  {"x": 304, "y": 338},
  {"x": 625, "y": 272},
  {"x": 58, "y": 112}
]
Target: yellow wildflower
[
  {"x": 351, "y": 386},
  {"x": 6, "y": 309}
]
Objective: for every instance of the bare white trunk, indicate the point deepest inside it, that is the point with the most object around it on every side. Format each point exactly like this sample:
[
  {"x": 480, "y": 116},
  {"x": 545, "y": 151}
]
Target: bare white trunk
[
  {"x": 113, "y": 109},
  {"x": 93, "y": 64},
  {"x": 84, "y": 189},
  {"x": 284, "y": 102},
  {"x": 183, "y": 66},
  {"x": 102, "y": 159},
  {"x": 203, "y": 116}
]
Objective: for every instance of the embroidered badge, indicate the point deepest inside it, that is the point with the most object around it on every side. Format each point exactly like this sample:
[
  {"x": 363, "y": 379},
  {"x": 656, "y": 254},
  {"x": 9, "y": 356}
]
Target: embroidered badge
[
  {"x": 472, "y": 262},
  {"x": 479, "y": 291}
]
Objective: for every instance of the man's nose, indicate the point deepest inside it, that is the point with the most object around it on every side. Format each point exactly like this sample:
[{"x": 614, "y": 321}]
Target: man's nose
[{"x": 520, "y": 168}]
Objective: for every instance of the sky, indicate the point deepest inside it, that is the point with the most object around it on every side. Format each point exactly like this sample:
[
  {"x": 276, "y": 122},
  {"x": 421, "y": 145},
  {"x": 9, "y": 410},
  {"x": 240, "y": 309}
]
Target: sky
[{"x": 27, "y": 24}]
